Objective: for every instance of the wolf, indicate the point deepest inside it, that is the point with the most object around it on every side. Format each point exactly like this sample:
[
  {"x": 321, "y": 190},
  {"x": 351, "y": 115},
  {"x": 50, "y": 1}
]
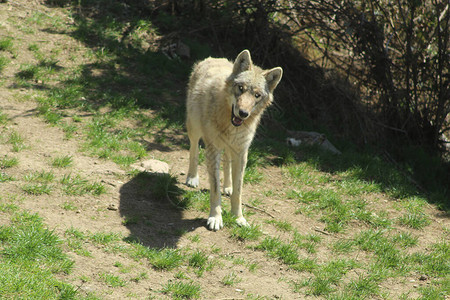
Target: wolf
[{"x": 225, "y": 102}]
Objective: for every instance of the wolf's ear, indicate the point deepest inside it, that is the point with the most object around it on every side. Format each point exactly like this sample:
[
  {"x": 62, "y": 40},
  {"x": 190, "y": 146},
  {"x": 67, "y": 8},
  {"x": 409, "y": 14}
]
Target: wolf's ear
[
  {"x": 273, "y": 77},
  {"x": 243, "y": 62}
]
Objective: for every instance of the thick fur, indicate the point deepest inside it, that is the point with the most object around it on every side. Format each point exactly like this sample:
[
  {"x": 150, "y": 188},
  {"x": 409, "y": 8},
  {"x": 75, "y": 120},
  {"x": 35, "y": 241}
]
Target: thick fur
[{"x": 225, "y": 102}]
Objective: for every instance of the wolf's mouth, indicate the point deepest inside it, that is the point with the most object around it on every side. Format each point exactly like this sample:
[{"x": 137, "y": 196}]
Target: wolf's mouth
[{"x": 235, "y": 120}]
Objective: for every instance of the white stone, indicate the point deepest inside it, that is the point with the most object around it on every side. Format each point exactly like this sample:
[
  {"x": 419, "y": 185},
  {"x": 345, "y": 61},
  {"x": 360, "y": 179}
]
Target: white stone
[{"x": 152, "y": 166}]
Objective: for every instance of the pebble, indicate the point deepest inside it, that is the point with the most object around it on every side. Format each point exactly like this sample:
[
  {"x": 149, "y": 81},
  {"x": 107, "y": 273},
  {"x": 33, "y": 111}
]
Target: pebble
[
  {"x": 112, "y": 206},
  {"x": 423, "y": 277}
]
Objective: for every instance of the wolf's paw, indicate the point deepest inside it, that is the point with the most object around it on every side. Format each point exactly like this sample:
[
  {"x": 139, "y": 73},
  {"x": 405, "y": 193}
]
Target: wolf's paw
[
  {"x": 215, "y": 223},
  {"x": 242, "y": 222},
  {"x": 192, "y": 181},
  {"x": 228, "y": 191}
]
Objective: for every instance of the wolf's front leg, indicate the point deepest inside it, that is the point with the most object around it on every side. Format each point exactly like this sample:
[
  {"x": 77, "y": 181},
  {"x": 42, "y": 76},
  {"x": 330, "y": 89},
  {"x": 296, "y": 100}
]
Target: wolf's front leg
[
  {"x": 215, "y": 221},
  {"x": 239, "y": 162},
  {"x": 227, "y": 188}
]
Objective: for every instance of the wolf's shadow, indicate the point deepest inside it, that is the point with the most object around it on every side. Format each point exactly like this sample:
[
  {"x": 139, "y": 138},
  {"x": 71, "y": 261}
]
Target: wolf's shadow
[{"x": 154, "y": 220}]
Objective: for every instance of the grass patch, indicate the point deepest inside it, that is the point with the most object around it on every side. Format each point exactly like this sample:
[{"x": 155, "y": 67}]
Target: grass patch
[
  {"x": 246, "y": 233},
  {"x": 5, "y": 177},
  {"x": 326, "y": 277},
  {"x": 112, "y": 280},
  {"x": 75, "y": 240},
  {"x": 107, "y": 140},
  {"x": 199, "y": 261},
  {"x": 286, "y": 253},
  {"x": 198, "y": 200},
  {"x": 308, "y": 242},
  {"x": 4, "y": 61},
  {"x": 62, "y": 162},
  {"x": 6, "y": 44},
  {"x": 31, "y": 260},
  {"x": 77, "y": 186},
  {"x": 230, "y": 279},
  {"x": 281, "y": 225},
  {"x": 414, "y": 217},
  {"x": 182, "y": 290},
  {"x": 104, "y": 238},
  {"x": 160, "y": 259},
  {"x": 43, "y": 177},
  {"x": 17, "y": 141},
  {"x": 165, "y": 259},
  {"x": 8, "y": 162},
  {"x": 37, "y": 189}
]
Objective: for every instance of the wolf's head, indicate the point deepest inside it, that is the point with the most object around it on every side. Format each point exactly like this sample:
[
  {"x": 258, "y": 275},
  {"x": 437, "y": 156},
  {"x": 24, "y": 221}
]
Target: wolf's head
[{"x": 252, "y": 88}]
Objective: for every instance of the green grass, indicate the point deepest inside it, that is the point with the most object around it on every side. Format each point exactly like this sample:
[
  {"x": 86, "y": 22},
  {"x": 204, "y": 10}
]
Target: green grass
[
  {"x": 17, "y": 141},
  {"x": 198, "y": 259},
  {"x": 285, "y": 252},
  {"x": 76, "y": 241},
  {"x": 5, "y": 177},
  {"x": 198, "y": 200},
  {"x": 308, "y": 242},
  {"x": 112, "y": 280},
  {"x": 28, "y": 72},
  {"x": 32, "y": 261},
  {"x": 43, "y": 177},
  {"x": 414, "y": 217},
  {"x": 38, "y": 183},
  {"x": 335, "y": 211},
  {"x": 6, "y": 44},
  {"x": 62, "y": 161},
  {"x": 230, "y": 279},
  {"x": 8, "y": 162},
  {"x": 104, "y": 238},
  {"x": 326, "y": 277},
  {"x": 281, "y": 225},
  {"x": 37, "y": 189},
  {"x": 246, "y": 233},
  {"x": 163, "y": 187},
  {"x": 182, "y": 290},
  {"x": 4, "y": 61},
  {"x": 165, "y": 259},
  {"x": 3, "y": 118},
  {"x": 77, "y": 186},
  {"x": 69, "y": 205}
]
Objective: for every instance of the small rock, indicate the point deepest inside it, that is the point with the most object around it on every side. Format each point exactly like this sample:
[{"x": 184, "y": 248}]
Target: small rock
[
  {"x": 239, "y": 290},
  {"x": 112, "y": 206},
  {"x": 182, "y": 173},
  {"x": 152, "y": 166},
  {"x": 423, "y": 277}
]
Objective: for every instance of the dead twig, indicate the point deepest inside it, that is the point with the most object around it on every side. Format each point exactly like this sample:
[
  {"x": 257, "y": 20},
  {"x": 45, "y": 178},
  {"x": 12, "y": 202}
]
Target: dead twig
[
  {"x": 260, "y": 210},
  {"x": 321, "y": 231}
]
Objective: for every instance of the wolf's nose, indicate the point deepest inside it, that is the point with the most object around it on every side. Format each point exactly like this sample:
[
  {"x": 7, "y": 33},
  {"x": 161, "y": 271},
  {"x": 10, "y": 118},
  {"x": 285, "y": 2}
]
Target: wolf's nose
[{"x": 243, "y": 114}]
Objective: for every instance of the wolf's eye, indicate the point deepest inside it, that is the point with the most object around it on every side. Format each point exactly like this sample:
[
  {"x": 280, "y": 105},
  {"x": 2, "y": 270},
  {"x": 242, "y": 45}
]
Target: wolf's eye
[
  {"x": 241, "y": 88},
  {"x": 257, "y": 95}
]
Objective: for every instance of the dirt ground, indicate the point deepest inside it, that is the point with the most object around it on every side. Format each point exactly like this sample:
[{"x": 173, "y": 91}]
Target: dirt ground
[{"x": 93, "y": 214}]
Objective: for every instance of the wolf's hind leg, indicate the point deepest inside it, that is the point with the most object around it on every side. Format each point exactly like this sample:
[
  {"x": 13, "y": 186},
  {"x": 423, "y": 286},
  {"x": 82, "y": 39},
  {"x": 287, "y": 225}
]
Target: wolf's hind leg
[{"x": 192, "y": 176}]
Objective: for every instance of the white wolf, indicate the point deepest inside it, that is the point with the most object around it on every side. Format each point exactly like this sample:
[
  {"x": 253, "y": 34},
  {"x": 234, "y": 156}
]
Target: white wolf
[{"x": 225, "y": 102}]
